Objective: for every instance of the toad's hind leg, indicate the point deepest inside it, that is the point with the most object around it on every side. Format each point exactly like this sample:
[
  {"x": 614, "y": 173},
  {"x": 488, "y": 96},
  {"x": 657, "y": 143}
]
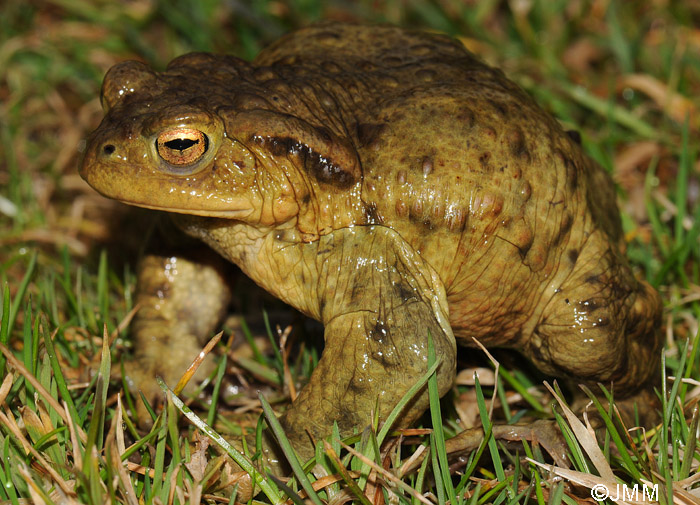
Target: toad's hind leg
[
  {"x": 602, "y": 325},
  {"x": 379, "y": 302},
  {"x": 182, "y": 298}
]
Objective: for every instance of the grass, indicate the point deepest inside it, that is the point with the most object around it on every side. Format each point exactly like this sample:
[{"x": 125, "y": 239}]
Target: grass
[{"x": 625, "y": 74}]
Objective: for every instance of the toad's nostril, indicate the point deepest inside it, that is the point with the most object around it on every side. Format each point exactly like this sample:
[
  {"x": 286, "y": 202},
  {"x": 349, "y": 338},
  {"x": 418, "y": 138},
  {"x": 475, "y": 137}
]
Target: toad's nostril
[{"x": 109, "y": 149}]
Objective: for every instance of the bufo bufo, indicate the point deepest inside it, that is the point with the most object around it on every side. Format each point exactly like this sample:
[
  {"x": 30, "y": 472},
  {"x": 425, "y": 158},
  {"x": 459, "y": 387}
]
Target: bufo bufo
[{"x": 388, "y": 184}]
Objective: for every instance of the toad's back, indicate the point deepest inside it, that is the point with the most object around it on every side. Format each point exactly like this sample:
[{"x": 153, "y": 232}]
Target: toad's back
[{"x": 475, "y": 176}]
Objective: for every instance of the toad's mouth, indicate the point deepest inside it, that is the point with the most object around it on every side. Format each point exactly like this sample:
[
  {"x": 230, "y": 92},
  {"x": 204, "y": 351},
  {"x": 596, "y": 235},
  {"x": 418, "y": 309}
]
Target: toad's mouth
[{"x": 233, "y": 213}]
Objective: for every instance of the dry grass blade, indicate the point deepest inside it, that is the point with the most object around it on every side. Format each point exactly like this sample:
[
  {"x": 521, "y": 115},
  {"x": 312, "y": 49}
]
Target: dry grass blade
[
  {"x": 413, "y": 461},
  {"x": 496, "y": 365},
  {"x": 114, "y": 447},
  {"x": 28, "y": 376},
  {"x": 585, "y": 438},
  {"x": 680, "y": 495},
  {"x": 34, "y": 491},
  {"x": 77, "y": 450},
  {"x": 590, "y": 481},
  {"x": 10, "y": 424},
  {"x": 192, "y": 369},
  {"x": 284, "y": 349},
  {"x": 676, "y": 105},
  {"x": 173, "y": 485},
  {"x": 386, "y": 474},
  {"x": 5, "y": 387}
]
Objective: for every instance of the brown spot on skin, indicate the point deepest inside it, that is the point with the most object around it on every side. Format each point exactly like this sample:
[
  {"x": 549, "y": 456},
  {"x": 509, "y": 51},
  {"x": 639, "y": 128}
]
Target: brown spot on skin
[
  {"x": 322, "y": 168},
  {"x": 392, "y": 61},
  {"x": 525, "y": 190},
  {"x": 401, "y": 208},
  {"x": 401, "y": 177},
  {"x": 536, "y": 256},
  {"x": 371, "y": 214},
  {"x": 388, "y": 81},
  {"x": 416, "y": 211},
  {"x": 516, "y": 143},
  {"x": 559, "y": 157},
  {"x": 500, "y": 108},
  {"x": 525, "y": 243},
  {"x": 573, "y": 255},
  {"x": 462, "y": 249},
  {"x": 602, "y": 322},
  {"x": 369, "y": 133},
  {"x": 327, "y": 100},
  {"x": 357, "y": 387},
  {"x": 280, "y": 146},
  {"x": 249, "y": 101},
  {"x": 427, "y": 165},
  {"x": 379, "y": 332},
  {"x": 593, "y": 279},
  {"x": 466, "y": 117},
  {"x": 497, "y": 206},
  {"x": 422, "y": 49},
  {"x": 328, "y": 37},
  {"x": 367, "y": 66},
  {"x": 620, "y": 290},
  {"x": 458, "y": 221},
  {"x": 383, "y": 359},
  {"x": 263, "y": 74},
  {"x": 571, "y": 169},
  {"x": 332, "y": 67},
  {"x": 484, "y": 162},
  {"x": 567, "y": 222},
  {"x": 356, "y": 292},
  {"x": 489, "y": 133},
  {"x": 426, "y": 74},
  {"x": 571, "y": 174},
  {"x": 590, "y": 305},
  {"x": 403, "y": 292}
]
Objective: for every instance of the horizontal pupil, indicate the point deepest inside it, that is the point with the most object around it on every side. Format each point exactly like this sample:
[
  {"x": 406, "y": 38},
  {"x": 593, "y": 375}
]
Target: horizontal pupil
[{"x": 180, "y": 144}]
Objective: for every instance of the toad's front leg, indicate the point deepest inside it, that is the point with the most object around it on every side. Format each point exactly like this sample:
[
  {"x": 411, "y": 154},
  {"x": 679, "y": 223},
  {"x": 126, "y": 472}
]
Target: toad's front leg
[{"x": 379, "y": 302}]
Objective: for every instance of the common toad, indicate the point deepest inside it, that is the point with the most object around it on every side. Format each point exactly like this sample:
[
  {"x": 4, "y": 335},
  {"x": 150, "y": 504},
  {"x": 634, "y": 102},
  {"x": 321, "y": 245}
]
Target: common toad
[{"x": 388, "y": 184}]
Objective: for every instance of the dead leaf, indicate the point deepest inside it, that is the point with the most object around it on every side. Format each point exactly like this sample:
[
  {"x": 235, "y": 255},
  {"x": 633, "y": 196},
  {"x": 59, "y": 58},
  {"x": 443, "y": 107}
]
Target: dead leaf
[
  {"x": 632, "y": 157},
  {"x": 677, "y": 106},
  {"x": 581, "y": 55}
]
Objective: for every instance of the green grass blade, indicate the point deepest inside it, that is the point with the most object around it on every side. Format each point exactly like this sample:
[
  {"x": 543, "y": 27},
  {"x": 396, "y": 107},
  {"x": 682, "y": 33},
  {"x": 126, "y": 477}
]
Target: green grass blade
[
  {"x": 5, "y": 325},
  {"x": 288, "y": 451},
  {"x": 21, "y": 292},
  {"x": 436, "y": 417},
  {"x": 342, "y": 470},
  {"x": 265, "y": 485},
  {"x": 58, "y": 373},
  {"x": 486, "y": 423}
]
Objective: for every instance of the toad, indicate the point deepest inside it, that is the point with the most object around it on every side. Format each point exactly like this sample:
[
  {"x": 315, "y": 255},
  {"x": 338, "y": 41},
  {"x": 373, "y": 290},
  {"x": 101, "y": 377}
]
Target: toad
[{"x": 388, "y": 184}]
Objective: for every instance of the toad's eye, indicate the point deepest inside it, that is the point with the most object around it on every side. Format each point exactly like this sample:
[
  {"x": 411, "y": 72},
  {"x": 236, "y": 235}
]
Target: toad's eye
[{"x": 182, "y": 146}]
